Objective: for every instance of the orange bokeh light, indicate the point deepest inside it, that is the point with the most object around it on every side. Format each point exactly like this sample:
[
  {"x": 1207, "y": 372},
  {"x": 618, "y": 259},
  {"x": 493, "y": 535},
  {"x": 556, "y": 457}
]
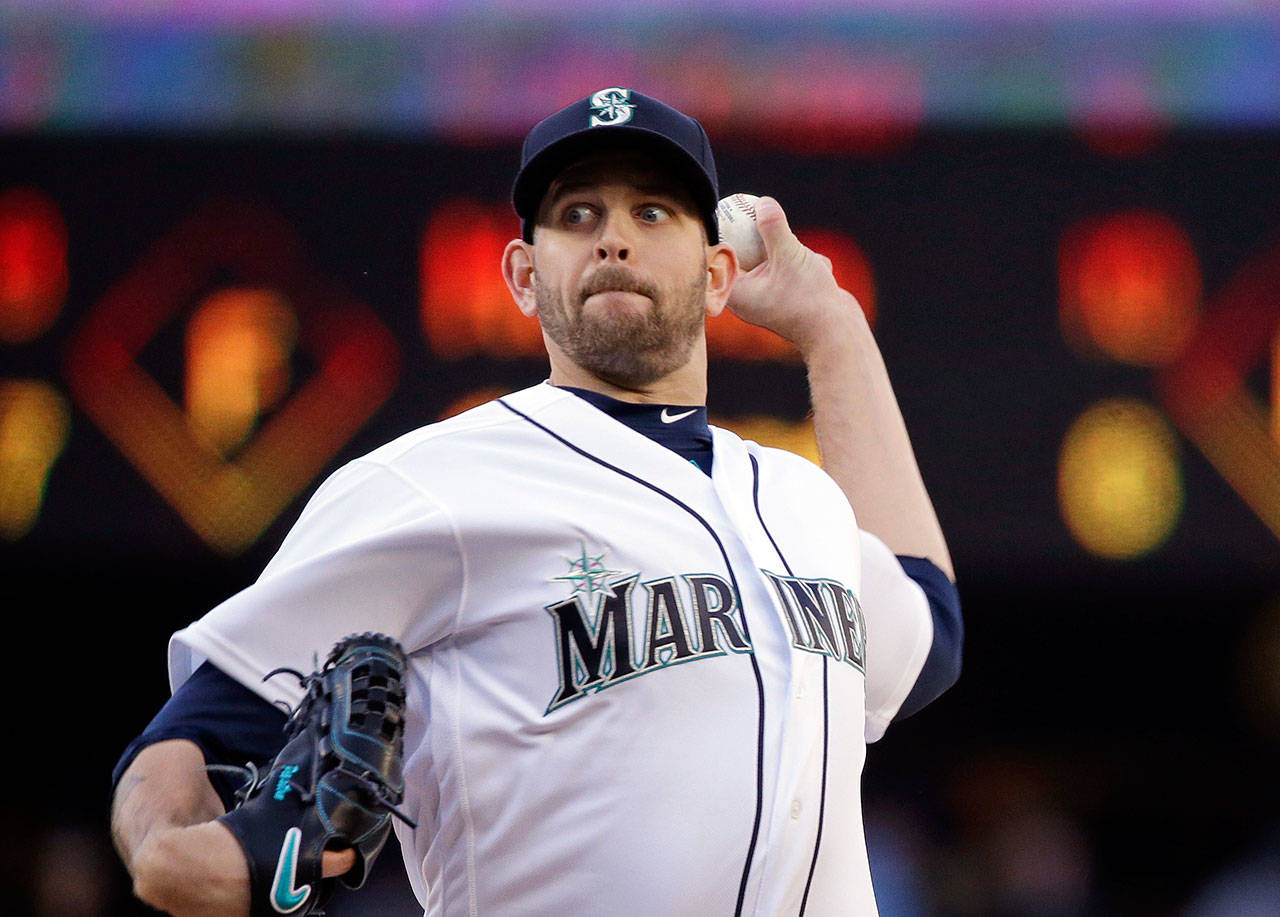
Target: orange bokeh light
[
  {"x": 239, "y": 342},
  {"x": 33, "y": 264},
  {"x": 730, "y": 338},
  {"x": 1275, "y": 388},
  {"x": 229, "y": 502},
  {"x": 1208, "y": 390},
  {"x": 1130, "y": 287}
]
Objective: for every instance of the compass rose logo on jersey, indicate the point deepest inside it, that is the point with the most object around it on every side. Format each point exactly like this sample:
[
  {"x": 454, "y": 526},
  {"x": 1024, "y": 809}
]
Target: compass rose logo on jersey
[
  {"x": 612, "y": 627},
  {"x": 588, "y": 574},
  {"x": 612, "y": 107}
]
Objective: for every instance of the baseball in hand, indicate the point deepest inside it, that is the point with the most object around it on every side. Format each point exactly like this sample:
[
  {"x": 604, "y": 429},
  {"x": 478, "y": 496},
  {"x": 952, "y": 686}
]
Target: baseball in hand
[{"x": 736, "y": 215}]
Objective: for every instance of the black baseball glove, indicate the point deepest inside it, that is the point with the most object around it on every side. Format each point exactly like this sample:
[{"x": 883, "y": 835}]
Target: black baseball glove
[{"x": 335, "y": 784}]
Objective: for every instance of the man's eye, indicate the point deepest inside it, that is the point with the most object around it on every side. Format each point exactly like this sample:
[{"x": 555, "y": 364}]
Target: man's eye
[
  {"x": 577, "y": 215},
  {"x": 654, "y": 214}
]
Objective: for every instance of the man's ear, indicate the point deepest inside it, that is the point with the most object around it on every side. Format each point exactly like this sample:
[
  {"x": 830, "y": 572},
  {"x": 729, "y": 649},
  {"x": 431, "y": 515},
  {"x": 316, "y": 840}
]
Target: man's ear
[
  {"x": 517, "y": 271},
  {"x": 722, "y": 271}
]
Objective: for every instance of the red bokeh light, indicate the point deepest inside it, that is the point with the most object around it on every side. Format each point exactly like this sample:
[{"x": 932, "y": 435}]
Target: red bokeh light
[
  {"x": 465, "y": 306},
  {"x": 848, "y": 263},
  {"x": 33, "y": 264},
  {"x": 729, "y": 337},
  {"x": 1130, "y": 287}
]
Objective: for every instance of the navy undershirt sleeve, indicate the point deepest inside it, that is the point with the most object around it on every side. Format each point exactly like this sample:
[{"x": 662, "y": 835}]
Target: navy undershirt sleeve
[
  {"x": 942, "y": 667},
  {"x": 229, "y": 723}
]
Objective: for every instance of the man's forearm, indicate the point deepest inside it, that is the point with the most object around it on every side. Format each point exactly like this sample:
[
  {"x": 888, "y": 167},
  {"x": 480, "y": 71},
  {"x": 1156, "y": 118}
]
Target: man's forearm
[
  {"x": 861, "y": 435},
  {"x": 162, "y": 824},
  {"x": 863, "y": 439}
]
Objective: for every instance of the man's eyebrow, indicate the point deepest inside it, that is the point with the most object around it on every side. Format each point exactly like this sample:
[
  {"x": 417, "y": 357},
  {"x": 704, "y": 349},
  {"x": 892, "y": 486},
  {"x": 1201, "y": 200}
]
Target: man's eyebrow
[
  {"x": 561, "y": 190},
  {"x": 662, "y": 190}
]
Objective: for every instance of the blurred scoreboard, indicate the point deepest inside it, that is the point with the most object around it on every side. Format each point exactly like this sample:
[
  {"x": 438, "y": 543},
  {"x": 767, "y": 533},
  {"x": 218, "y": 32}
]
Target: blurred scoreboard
[{"x": 194, "y": 331}]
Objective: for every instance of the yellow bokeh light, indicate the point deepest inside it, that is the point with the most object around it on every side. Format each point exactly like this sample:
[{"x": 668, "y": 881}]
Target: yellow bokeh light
[
  {"x": 238, "y": 346},
  {"x": 472, "y": 399},
  {"x": 34, "y": 421},
  {"x": 1119, "y": 479}
]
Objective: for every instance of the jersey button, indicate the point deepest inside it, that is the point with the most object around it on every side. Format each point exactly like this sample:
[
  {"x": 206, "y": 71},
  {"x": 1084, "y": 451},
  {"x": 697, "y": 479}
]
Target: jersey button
[
  {"x": 800, "y": 691},
  {"x": 795, "y": 808}
]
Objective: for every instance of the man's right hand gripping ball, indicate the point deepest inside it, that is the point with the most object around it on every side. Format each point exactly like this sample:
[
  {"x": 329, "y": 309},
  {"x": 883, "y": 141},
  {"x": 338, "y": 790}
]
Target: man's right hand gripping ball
[{"x": 335, "y": 784}]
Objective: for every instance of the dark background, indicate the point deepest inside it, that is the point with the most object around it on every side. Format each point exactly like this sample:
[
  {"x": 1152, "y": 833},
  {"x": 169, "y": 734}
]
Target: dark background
[{"x": 1106, "y": 719}]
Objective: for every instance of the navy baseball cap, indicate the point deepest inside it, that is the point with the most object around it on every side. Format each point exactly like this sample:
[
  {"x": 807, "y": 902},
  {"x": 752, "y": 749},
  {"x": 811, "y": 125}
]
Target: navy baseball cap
[{"x": 620, "y": 118}]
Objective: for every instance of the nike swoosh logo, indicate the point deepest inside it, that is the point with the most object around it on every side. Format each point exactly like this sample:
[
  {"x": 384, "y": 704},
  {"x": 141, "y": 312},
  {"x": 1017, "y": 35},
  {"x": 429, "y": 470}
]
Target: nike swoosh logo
[
  {"x": 672, "y": 418},
  {"x": 285, "y": 899}
]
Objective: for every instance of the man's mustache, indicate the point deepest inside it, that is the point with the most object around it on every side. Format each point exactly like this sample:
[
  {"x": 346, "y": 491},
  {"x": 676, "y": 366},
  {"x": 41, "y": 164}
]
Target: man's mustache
[{"x": 615, "y": 279}]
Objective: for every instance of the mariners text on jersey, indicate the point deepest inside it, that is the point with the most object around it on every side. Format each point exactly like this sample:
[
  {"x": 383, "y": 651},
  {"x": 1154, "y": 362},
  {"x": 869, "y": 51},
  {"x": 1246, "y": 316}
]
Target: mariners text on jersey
[{"x": 601, "y": 638}]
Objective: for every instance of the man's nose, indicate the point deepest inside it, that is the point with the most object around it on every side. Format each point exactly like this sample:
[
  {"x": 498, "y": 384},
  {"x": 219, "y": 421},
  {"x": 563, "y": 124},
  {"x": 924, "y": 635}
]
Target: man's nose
[{"x": 613, "y": 243}]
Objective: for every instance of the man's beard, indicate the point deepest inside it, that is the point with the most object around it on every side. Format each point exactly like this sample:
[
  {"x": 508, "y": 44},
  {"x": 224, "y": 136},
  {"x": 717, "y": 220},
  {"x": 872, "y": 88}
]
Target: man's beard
[{"x": 630, "y": 350}]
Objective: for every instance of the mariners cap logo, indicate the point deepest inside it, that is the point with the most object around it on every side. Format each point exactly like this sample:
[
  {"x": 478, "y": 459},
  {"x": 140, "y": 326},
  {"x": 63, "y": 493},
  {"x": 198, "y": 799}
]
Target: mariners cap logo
[{"x": 612, "y": 107}]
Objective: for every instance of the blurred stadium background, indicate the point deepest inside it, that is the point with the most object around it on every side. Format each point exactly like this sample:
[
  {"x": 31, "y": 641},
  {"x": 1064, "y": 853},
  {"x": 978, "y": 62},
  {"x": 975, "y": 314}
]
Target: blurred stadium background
[{"x": 242, "y": 242}]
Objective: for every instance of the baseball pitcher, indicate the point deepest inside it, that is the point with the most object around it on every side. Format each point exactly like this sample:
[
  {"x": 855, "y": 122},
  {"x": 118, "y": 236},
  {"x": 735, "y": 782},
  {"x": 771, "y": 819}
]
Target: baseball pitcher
[{"x": 593, "y": 655}]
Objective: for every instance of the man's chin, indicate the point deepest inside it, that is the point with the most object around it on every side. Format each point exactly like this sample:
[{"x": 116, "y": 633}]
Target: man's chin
[{"x": 631, "y": 368}]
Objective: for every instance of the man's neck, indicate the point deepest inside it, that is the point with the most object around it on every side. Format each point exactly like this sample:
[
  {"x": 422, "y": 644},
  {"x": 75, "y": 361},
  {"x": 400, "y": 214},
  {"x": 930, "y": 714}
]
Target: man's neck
[
  {"x": 681, "y": 428},
  {"x": 687, "y": 385}
]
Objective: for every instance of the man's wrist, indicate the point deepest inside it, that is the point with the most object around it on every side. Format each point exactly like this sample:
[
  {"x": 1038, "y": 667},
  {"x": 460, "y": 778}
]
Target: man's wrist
[
  {"x": 197, "y": 868},
  {"x": 839, "y": 329}
]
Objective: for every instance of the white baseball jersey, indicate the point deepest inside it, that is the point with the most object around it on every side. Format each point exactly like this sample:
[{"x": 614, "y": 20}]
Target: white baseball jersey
[{"x": 634, "y": 688}]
